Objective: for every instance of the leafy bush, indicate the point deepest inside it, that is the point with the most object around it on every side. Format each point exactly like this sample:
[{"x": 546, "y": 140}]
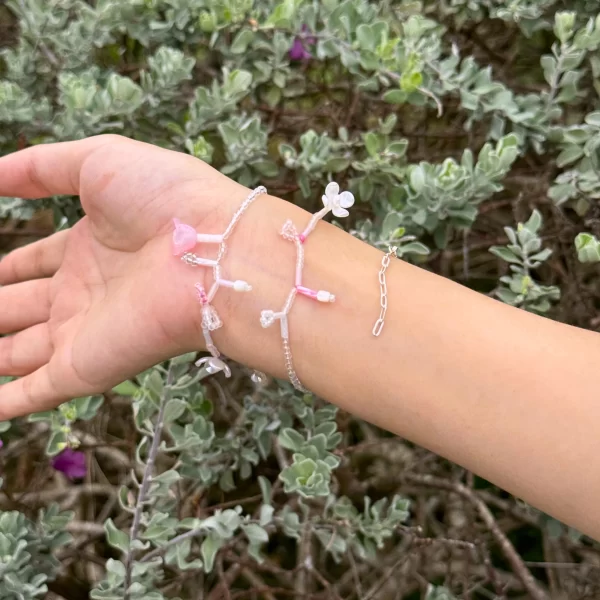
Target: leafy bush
[{"x": 449, "y": 120}]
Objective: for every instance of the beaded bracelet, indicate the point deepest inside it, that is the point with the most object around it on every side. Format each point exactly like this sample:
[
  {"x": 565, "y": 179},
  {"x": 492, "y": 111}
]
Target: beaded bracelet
[
  {"x": 332, "y": 201},
  {"x": 185, "y": 238}
]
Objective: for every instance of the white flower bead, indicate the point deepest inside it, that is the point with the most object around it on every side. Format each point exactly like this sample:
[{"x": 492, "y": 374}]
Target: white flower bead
[
  {"x": 214, "y": 365},
  {"x": 336, "y": 202},
  {"x": 267, "y": 318}
]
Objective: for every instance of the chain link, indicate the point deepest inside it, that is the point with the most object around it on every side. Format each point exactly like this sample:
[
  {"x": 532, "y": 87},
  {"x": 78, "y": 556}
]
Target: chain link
[{"x": 383, "y": 298}]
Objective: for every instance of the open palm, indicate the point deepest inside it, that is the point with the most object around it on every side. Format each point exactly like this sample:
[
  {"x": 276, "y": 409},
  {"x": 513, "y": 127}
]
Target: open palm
[{"x": 107, "y": 291}]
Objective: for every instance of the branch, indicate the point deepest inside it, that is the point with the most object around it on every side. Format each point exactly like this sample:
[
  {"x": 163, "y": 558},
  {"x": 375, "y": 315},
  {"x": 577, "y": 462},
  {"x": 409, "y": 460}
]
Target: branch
[
  {"x": 147, "y": 479},
  {"x": 512, "y": 556}
]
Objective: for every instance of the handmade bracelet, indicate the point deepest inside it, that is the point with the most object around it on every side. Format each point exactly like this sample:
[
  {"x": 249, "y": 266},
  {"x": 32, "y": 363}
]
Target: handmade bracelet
[
  {"x": 383, "y": 301},
  {"x": 185, "y": 238},
  {"x": 332, "y": 201}
]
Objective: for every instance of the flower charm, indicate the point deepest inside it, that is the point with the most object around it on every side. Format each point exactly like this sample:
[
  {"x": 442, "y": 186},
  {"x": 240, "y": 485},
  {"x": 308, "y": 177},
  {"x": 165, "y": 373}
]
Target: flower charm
[
  {"x": 267, "y": 318},
  {"x": 185, "y": 238},
  {"x": 289, "y": 231},
  {"x": 71, "y": 463},
  {"x": 336, "y": 202},
  {"x": 214, "y": 365}
]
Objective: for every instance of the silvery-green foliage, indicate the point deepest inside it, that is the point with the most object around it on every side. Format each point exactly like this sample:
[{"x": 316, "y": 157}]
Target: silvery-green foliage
[
  {"x": 525, "y": 253},
  {"x": 580, "y": 145},
  {"x": 313, "y": 462},
  {"x": 343, "y": 528},
  {"x": 27, "y": 561},
  {"x": 60, "y": 421},
  {"x": 438, "y": 592},
  {"x": 436, "y": 197},
  {"x": 392, "y": 232},
  {"x": 245, "y": 140},
  {"x": 588, "y": 248},
  {"x": 15, "y": 208}
]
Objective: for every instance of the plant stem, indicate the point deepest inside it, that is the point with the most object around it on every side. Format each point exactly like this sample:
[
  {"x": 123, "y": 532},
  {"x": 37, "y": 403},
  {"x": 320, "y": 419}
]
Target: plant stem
[{"x": 147, "y": 478}]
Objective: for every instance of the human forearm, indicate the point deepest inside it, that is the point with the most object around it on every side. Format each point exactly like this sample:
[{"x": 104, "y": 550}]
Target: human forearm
[{"x": 505, "y": 393}]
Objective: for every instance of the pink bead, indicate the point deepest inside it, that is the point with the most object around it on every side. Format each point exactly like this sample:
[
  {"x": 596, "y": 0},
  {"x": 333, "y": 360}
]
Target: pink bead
[
  {"x": 306, "y": 291},
  {"x": 202, "y": 297},
  {"x": 302, "y": 238},
  {"x": 185, "y": 238}
]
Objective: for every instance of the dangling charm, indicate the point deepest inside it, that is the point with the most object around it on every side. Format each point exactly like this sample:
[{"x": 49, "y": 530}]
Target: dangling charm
[
  {"x": 185, "y": 239},
  {"x": 333, "y": 201}
]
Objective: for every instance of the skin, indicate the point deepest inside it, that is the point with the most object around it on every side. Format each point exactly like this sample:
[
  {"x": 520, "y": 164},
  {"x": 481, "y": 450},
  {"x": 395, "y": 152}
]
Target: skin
[{"x": 507, "y": 394}]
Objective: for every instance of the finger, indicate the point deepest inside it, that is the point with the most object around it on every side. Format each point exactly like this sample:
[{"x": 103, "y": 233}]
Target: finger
[
  {"x": 48, "y": 169},
  {"x": 40, "y": 259},
  {"x": 24, "y": 352},
  {"x": 24, "y": 305},
  {"x": 34, "y": 393}
]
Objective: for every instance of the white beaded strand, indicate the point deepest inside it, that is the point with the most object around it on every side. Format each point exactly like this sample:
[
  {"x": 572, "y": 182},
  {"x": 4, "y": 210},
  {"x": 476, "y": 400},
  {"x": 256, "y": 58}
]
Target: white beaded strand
[
  {"x": 332, "y": 201},
  {"x": 185, "y": 238}
]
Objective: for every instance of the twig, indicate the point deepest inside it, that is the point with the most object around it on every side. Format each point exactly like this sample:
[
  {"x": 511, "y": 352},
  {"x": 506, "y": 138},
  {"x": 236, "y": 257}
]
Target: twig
[
  {"x": 147, "y": 479},
  {"x": 86, "y": 527},
  {"x": 221, "y": 574},
  {"x": 304, "y": 560},
  {"x": 257, "y": 582},
  {"x": 178, "y": 538},
  {"x": 515, "y": 561},
  {"x": 222, "y": 587}
]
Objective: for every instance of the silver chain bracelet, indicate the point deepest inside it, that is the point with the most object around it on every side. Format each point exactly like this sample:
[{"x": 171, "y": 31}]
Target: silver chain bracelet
[{"x": 383, "y": 300}]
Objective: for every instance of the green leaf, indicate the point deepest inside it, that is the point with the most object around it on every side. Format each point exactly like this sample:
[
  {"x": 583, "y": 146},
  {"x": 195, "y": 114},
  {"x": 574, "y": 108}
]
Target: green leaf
[
  {"x": 184, "y": 359},
  {"x": 505, "y": 254},
  {"x": 415, "y": 248},
  {"x": 241, "y": 41},
  {"x": 569, "y": 155},
  {"x": 395, "y": 96},
  {"x": 266, "y": 514},
  {"x": 255, "y": 533},
  {"x": 127, "y": 388},
  {"x": 373, "y": 143},
  {"x": 534, "y": 222},
  {"x": 337, "y": 164},
  {"x": 265, "y": 489},
  {"x": 115, "y": 537},
  {"x": 366, "y": 36},
  {"x": 292, "y": 440},
  {"x": 417, "y": 178},
  {"x": 174, "y": 409},
  {"x": 267, "y": 168},
  {"x": 410, "y": 81},
  {"x": 87, "y": 408},
  {"x": 56, "y": 443},
  {"x": 210, "y": 546},
  {"x": 593, "y": 119},
  {"x": 588, "y": 248}
]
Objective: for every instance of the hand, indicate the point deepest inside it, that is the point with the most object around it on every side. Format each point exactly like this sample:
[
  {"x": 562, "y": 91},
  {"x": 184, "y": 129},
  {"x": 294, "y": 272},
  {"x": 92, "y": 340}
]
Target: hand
[{"x": 94, "y": 305}]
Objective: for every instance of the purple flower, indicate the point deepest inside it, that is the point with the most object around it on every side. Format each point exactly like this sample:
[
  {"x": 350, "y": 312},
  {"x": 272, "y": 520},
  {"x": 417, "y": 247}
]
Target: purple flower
[
  {"x": 299, "y": 50},
  {"x": 71, "y": 463}
]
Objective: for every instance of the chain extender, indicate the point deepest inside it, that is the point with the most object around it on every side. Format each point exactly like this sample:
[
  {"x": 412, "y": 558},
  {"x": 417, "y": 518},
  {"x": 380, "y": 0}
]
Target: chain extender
[{"x": 383, "y": 299}]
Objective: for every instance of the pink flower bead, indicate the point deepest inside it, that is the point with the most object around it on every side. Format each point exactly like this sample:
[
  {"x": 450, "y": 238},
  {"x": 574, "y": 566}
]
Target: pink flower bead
[{"x": 185, "y": 238}]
